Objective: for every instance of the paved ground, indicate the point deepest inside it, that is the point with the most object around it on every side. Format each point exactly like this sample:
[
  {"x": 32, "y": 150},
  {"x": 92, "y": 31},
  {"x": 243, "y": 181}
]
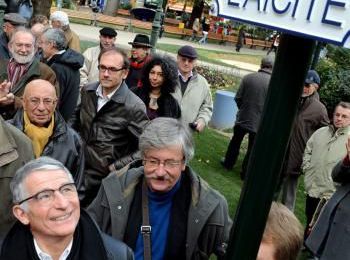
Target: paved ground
[{"x": 91, "y": 33}]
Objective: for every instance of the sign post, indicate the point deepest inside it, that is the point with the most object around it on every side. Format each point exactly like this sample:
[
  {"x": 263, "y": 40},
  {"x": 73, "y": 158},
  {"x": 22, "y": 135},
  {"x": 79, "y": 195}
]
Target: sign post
[{"x": 287, "y": 80}]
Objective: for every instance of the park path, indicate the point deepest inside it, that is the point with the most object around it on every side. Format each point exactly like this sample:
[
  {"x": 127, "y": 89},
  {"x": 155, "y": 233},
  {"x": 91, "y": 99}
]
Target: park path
[{"x": 91, "y": 33}]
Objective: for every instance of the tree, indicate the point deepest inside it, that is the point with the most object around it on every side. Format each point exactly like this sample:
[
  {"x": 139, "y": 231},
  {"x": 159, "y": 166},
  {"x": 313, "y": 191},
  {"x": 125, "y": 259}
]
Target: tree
[
  {"x": 42, "y": 7},
  {"x": 334, "y": 71}
]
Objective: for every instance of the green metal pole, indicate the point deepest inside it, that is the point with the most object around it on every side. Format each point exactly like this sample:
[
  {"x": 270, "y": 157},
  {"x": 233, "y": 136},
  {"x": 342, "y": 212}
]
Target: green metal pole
[
  {"x": 3, "y": 6},
  {"x": 287, "y": 80},
  {"x": 156, "y": 25}
]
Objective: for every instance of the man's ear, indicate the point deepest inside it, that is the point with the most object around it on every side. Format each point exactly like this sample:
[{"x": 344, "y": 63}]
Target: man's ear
[{"x": 20, "y": 214}]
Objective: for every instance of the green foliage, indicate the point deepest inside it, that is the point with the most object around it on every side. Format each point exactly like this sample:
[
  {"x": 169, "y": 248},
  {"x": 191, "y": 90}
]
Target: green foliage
[
  {"x": 335, "y": 77},
  {"x": 218, "y": 79},
  {"x": 126, "y": 6}
]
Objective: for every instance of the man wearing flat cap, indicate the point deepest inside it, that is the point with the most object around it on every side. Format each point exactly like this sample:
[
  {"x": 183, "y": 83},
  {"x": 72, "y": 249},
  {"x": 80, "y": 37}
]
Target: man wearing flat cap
[
  {"x": 311, "y": 115},
  {"x": 89, "y": 72},
  {"x": 250, "y": 99},
  {"x": 140, "y": 54},
  {"x": 193, "y": 92},
  {"x": 11, "y": 22}
]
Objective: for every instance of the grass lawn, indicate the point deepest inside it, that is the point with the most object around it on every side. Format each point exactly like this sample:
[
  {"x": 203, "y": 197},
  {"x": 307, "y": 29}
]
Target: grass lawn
[
  {"x": 215, "y": 56},
  {"x": 210, "y": 147}
]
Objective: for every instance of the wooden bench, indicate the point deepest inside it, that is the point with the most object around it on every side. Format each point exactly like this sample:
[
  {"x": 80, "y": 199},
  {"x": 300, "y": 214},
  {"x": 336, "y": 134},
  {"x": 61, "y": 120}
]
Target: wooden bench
[{"x": 257, "y": 43}]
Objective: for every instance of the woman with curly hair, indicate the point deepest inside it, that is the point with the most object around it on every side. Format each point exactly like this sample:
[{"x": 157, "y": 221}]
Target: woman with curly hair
[{"x": 159, "y": 79}]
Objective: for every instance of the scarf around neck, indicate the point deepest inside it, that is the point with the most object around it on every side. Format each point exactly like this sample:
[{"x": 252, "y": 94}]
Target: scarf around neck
[{"x": 38, "y": 135}]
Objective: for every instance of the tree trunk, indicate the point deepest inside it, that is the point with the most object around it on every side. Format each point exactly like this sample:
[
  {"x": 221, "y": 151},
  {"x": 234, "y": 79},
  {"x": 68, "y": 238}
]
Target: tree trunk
[
  {"x": 111, "y": 7},
  {"x": 42, "y": 7}
]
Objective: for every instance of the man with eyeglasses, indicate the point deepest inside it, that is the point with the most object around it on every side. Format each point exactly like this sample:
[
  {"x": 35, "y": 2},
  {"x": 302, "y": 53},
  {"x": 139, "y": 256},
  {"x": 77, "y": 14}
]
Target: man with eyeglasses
[
  {"x": 193, "y": 92},
  {"x": 11, "y": 22},
  {"x": 50, "y": 223},
  {"x": 109, "y": 119},
  {"x": 22, "y": 68},
  {"x": 163, "y": 209},
  {"x": 311, "y": 115},
  {"x": 49, "y": 133}
]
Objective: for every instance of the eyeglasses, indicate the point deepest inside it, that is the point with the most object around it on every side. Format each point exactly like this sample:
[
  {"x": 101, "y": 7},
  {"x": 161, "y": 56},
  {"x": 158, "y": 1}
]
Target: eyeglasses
[
  {"x": 167, "y": 164},
  {"x": 103, "y": 69},
  {"x": 48, "y": 102},
  {"x": 45, "y": 197}
]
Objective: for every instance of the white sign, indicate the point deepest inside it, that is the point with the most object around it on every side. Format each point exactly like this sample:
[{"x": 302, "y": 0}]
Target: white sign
[{"x": 324, "y": 20}]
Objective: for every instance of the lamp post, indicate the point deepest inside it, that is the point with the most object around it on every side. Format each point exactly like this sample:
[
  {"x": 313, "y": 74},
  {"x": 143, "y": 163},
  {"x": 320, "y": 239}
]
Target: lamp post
[
  {"x": 156, "y": 25},
  {"x": 2, "y": 11}
]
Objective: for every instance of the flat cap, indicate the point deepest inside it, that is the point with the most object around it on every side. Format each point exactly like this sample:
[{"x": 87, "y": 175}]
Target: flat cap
[
  {"x": 15, "y": 19},
  {"x": 188, "y": 52},
  {"x": 108, "y": 31},
  {"x": 312, "y": 77}
]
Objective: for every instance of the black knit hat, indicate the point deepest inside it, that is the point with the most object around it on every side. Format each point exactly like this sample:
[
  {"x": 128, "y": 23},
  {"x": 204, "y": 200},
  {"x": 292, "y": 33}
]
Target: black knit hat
[{"x": 141, "y": 40}]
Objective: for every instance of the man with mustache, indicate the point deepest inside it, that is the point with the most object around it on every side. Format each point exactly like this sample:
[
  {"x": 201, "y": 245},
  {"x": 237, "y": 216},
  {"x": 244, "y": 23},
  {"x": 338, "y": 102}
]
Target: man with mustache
[
  {"x": 163, "y": 209},
  {"x": 22, "y": 68}
]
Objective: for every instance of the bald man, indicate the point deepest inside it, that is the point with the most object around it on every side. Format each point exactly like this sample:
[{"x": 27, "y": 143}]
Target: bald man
[{"x": 45, "y": 127}]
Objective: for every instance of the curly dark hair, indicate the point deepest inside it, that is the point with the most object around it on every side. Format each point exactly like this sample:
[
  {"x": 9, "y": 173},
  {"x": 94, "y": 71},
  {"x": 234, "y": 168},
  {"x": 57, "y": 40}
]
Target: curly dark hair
[{"x": 169, "y": 69}]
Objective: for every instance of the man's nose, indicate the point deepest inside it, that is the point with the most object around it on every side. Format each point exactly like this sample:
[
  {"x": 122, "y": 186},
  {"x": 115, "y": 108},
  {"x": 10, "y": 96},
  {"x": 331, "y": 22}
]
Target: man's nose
[{"x": 60, "y": 201}]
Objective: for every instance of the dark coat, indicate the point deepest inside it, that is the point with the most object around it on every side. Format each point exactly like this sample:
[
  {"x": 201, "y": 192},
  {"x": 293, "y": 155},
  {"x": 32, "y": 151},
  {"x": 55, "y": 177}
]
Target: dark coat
[
  {"x": 15, "y": 150},
  {"x": 330, "y": 238},
  {"x": 167, "y": 104},
  {"x": 111, "y": 135},
  {"x": 311, "y": 116},
  {"x": 250, "y": 99},
  {"x": 37, "y": 70},
  {"x": 66, "y": 66},
  {"x": 89, "y": 243},
  {"x": 4, "y": 49},
  {"x": 65, "y": 145},
  {"x": 135, "y": 73}
]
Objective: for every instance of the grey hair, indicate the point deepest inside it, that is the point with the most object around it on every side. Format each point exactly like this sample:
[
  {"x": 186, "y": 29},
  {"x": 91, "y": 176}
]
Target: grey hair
[
  {"x": 343, "y": 104},
  {"x": 163, "y": 132},
  {"x": 56, "y": 36},
  {"x": 60, "y": 16},
  {"x": 41, "y": 164},
  {"x": 23, "y": 30}
]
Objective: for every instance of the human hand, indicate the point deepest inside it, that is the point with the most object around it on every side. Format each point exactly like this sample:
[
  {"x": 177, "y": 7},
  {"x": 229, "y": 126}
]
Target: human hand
[
  {"x": 4, "y": 88},
  {"x": 200, "y": 125}
]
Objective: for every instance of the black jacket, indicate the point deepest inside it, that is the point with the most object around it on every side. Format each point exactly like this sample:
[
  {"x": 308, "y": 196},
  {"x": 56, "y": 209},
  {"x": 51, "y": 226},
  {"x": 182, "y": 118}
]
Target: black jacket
[
  {"x": 89, "y": 243},
  {"x": 111, "y": 135},
  {"x": 167, "y": 104},
  {"x": 65, "y": 145},
  {"x": 66, "y": 66}
]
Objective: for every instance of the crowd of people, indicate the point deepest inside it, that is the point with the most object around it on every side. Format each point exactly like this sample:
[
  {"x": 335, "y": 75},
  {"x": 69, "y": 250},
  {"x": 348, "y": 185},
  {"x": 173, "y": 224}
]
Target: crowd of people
[{"x": 95, "y": 152}]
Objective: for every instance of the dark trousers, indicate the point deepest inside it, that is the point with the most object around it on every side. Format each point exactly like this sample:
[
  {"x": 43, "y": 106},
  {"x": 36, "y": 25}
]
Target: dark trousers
[
  {"x": 234, "y": 147},
  {"x": 310, "y": 208}
]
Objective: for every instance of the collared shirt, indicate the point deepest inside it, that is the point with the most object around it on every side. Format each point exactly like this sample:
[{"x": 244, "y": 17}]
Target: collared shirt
[
  {"x": 182, "y": 77},
  {"x": 57, "y": 53},
  {"x": 102, "y": 100},
  {"x": 44, "y": 256},
  {"x": 183, "y": 81}
]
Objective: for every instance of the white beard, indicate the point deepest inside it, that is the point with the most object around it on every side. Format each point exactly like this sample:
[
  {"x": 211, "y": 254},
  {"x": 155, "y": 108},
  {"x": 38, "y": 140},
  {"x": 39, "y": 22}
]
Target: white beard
[{"x": 21, "y": 59}]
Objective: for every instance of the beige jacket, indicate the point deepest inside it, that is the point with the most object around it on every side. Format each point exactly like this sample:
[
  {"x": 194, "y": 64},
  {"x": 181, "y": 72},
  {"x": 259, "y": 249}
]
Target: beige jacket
[
  {"x": 89, "y": 71},
  {"x": 323, "y": 151}
]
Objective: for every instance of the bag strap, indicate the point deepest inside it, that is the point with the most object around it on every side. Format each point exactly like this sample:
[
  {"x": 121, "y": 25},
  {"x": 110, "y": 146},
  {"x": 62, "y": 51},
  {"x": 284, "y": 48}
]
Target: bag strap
[{"x": 146, "y": 228}]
